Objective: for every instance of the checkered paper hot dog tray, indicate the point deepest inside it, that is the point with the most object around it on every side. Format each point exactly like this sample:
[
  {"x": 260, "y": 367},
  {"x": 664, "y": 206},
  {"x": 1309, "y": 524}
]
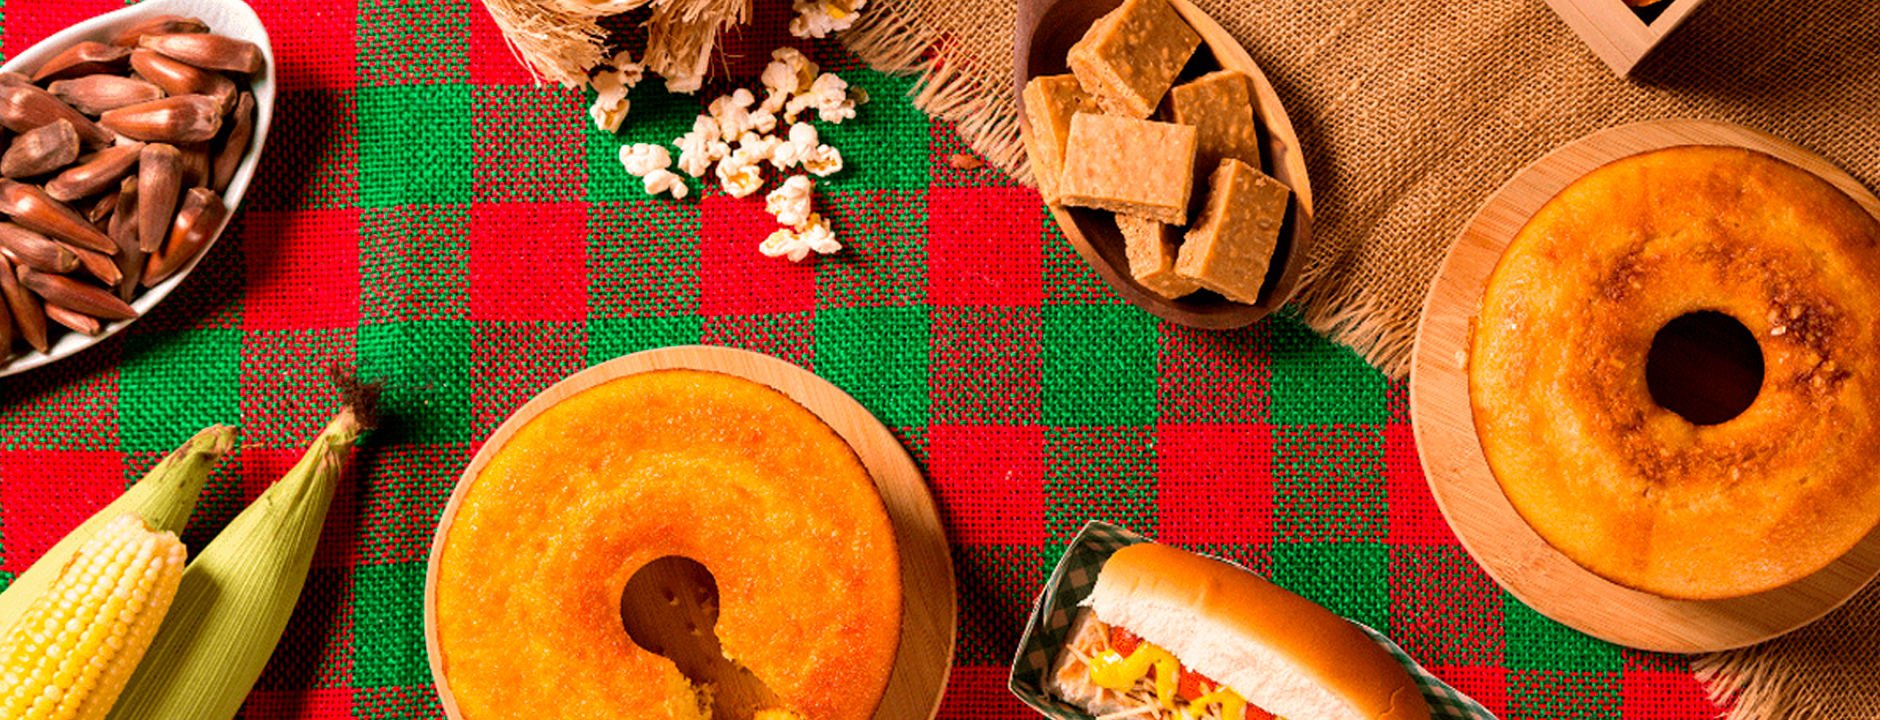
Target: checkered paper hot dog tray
[{"x": 1071, "y": 582}]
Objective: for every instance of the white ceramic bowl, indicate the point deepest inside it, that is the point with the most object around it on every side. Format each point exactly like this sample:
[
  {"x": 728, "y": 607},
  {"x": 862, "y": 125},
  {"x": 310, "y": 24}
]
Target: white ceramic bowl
[{"x": 225, "y": 17}]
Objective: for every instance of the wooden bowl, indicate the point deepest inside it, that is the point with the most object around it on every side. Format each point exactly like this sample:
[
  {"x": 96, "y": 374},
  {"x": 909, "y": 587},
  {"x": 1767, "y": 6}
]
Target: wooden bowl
[
  {"x": 232, "y": 18},
  {"x": 929, "y": 612},
  {"x": 1045, "y": 32},
  {"x": 1472, "y": 501}
]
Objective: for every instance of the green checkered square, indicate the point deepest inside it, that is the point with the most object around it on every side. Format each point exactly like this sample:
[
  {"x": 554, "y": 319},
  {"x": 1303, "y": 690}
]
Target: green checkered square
[
  {"x": 1352, "y": 579},
  {"x": 879, "y": 355},
  {"x": 1532, "y": 641},
  {"x": 888, "y": 145},
  {"x": 388, "y": 626},
  {"x": 172, "y": 385},
  {"x": 412, "y": 263},
  {"x": 996, "y": 587},
  {"x": 609, "y": 338},
  {"x": 1099, "y": 365},
  {"x": 1317, "y": 382},
  {"x": 528, "y": 142},
  {"x": 1067, "y": 278},
  {"x": 1565, "y": 694},
  {"x": 656, "y": 117},
  {"x": 401, "y": 501},
  {"x": 1329, "y": 483},
  {"x": 1098, "y": 473},
  {"x": 405, "y": 43},
  {"x": 295, "y": 367},
  {"x": 884, "y": 259},
  {"x": 642, "y": 258},
  {"x": 6, "y": 579},
  {"x": 415, "y": 145},
  {"x": 397, "y": 703},
  {"x": 1446, "y": 609},
  {"x": 425, "y": 366}
]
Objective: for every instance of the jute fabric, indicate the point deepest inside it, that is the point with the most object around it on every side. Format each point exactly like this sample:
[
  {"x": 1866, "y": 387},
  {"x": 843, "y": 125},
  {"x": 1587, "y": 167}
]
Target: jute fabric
[{"x": 1412, "y": 112}]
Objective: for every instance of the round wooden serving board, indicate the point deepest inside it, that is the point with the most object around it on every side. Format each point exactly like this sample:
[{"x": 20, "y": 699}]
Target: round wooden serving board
[
  {"x": 1045, "y": 31},
  {"x": 1473, "y": 502},
  {"x": 929, "y": 612}
]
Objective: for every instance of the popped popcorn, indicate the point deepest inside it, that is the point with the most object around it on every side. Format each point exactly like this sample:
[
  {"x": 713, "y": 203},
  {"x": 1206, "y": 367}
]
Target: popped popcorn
[
  {"x": 818, "y": 18},
  {"x": 663, "y": 180},
  {"x": 829, "y": 95},
  {"x": 740, "y": 179},
  {"x": 817, "y": 235},
  {"x": 610, "y": 92},
  {"x": 788, "y": 73},
  {"x": 642, "y": 159},
  {"x": 824, "y": 161},
  {"x": 784, "y": 243},
  {"x": 791, "y": 202},
  {"x": 754, "y": 148},
  {"x": 735, "y": 116},
  {"x": 799, "y": 148},
  {"x": 797, "y": 244},
  {"x": 701, "y": 147}
]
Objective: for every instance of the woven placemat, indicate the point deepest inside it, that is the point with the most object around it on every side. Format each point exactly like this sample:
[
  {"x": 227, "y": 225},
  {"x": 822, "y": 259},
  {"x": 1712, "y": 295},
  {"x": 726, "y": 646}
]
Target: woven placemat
[{"x": 1412, "y": 113}]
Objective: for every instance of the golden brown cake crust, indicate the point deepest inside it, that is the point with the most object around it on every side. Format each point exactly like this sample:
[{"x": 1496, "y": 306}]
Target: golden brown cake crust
[
  {"x": 1635, "y": 492},
  {"x": 719, "y": 469}
]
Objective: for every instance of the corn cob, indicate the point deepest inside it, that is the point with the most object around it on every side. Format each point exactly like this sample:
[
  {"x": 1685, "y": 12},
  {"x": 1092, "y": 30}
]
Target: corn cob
[
  {"x": 68, "y": 657},
  {"x": 239, "y": 593},
  {"x": 165, "y": 499}
]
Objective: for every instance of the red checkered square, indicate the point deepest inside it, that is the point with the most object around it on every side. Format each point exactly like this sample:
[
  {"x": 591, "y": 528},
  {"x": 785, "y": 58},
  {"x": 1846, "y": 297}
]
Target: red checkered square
[
  {"x": 791, "y": 336},
  {"x": 492, "y": 62},
  {"x": 983, "y": 247},
  {"x": 1662, "y": 695},
  {"x": 1414, "y": 517},
  {"x": 287, "y": 385},
  {"x": 979, "y": 693},
  {"x": 305, "y": 38},
  {"x": 528, "y": 262},
  {"x": 302, "y": 269},
  {"x": 989, "y": 482},
  {"x": 511, "y": 362},
  {"x": 733, "y": 277},
  {"x": 1485, "y": 685},
  {"x": 329, "y": 704},
  {"x": 43, "y": 495},
  {"x": 1216, "y": 484},
  {"x": 29, "y": 21},
  {"x": 1213, "y": 375}
]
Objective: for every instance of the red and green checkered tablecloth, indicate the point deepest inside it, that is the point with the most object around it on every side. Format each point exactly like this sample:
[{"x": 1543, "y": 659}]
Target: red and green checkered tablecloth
[{"x": 426, "y": 215}]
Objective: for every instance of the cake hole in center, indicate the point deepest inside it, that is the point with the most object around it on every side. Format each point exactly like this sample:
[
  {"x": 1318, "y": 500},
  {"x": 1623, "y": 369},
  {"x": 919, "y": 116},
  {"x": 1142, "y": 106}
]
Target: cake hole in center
[
  {"x": 1704, "y": 366},
  {"x": 670, "y": 608}
]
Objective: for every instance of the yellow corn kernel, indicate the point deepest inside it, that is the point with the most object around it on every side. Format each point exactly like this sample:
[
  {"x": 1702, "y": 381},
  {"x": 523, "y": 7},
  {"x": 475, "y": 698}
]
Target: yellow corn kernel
[{"x": 69, "y": 655}]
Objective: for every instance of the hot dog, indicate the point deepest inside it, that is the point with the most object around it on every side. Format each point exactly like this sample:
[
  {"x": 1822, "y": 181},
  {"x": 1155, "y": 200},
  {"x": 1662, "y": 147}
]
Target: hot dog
[{"x": 1171, "y": 635}]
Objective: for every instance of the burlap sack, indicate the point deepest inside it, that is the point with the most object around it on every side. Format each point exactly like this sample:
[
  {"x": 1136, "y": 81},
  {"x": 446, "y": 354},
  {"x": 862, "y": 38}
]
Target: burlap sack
[{"x": 1412, "y": 112}]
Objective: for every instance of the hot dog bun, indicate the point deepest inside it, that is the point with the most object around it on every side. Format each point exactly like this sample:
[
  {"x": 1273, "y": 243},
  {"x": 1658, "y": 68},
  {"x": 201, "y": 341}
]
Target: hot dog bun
[{"x": 1280, "y": 651}]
